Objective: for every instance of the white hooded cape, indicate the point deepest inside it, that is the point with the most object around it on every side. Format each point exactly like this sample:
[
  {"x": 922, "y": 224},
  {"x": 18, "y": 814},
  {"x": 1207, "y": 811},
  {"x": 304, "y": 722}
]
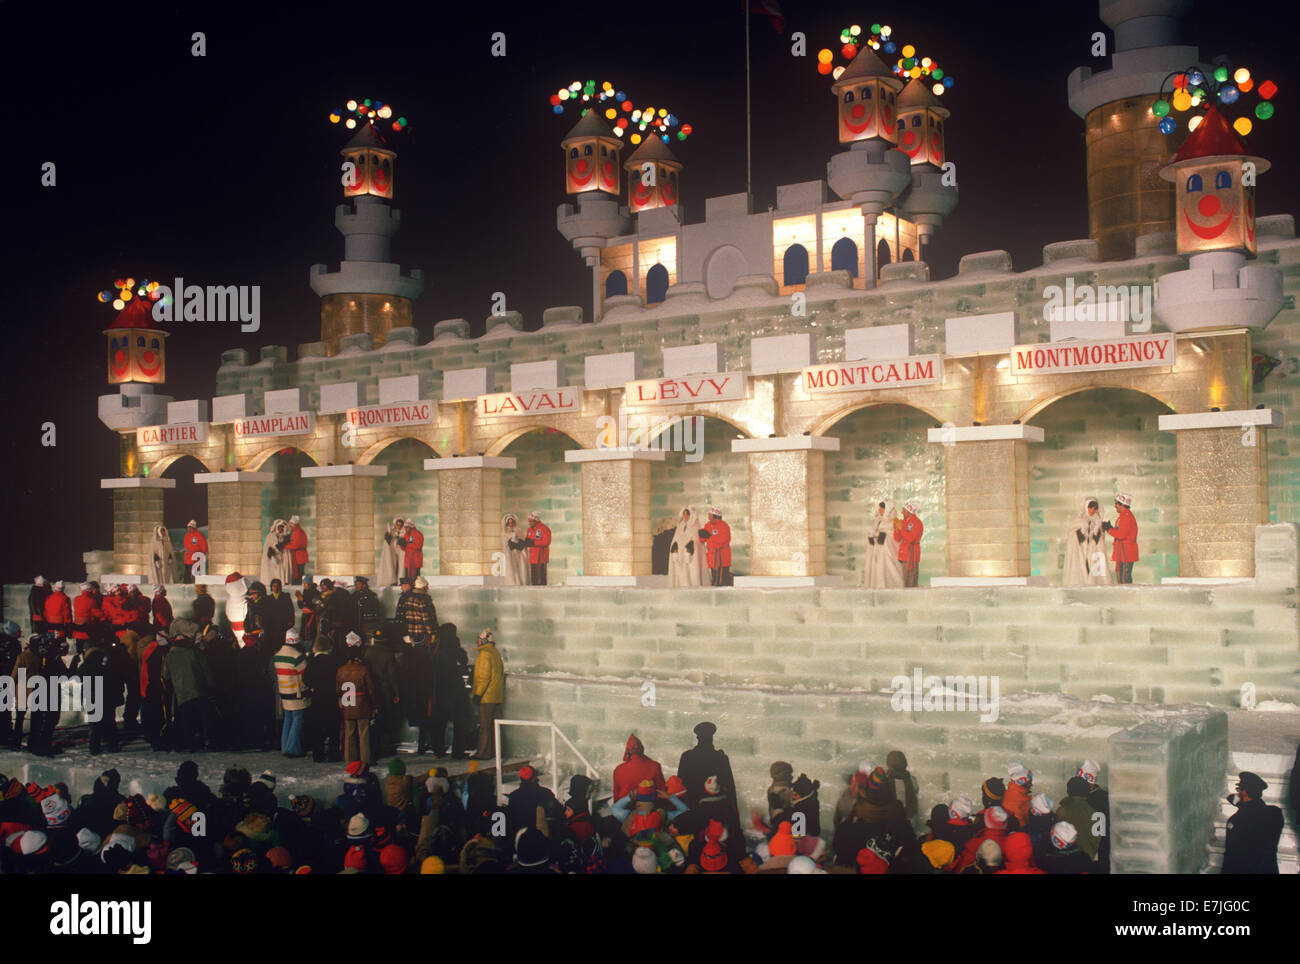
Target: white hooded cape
[
  {"x": 884, "y": 571},
  {"x": 162, "y": 560},
  {"x": 686, "y": 568},
  {"x": 392, "y": 561},
  {"x": 516, "y": 560},
  {"x": 1081, "y": 568},
  {"x": 275, "y": 560}
]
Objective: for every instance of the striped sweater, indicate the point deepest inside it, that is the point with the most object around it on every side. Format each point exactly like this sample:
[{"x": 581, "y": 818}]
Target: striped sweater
[{"x": 289, "y": 666}]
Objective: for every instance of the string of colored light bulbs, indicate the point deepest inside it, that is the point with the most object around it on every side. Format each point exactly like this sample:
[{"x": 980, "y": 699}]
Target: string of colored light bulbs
[
  {"x": 880, "y": 38},
  {"x": 127, "y": 289},
  {"x": 1193, "y": 89},
  {"x": 626, "y": 117},
  {"x": 366, "y": 112}
]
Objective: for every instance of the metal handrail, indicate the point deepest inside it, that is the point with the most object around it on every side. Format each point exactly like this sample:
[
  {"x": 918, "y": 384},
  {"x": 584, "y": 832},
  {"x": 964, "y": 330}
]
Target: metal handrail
[{"x": 592, "y": 772}]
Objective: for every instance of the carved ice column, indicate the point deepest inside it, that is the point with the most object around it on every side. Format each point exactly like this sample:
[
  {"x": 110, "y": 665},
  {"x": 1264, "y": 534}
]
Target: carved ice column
[
  {"x": 469, "y": 518},
  {"x": 1222, "y": 491},
  {"x": 235, "y": 533},
  {"x": 616, "y": 538},
  {"x": 787, "y": 510},
  {"x": 986, "y": 483},
  {"x": 137, "y": 508},
  {"x": 344, "y": 541}
]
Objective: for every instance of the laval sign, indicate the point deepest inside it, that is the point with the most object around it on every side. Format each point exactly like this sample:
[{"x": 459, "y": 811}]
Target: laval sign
[
  {"x": 857, "y": 376},
  {"x": 178, "y": 434},
  {"x": 542, "y": 401},
  {"x": 1147, "y": 351}
]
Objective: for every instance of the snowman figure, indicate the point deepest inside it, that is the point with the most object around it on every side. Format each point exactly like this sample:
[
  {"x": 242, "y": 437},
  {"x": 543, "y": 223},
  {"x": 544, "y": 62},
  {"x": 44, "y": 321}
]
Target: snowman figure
[{"x": 236, "y": 605}]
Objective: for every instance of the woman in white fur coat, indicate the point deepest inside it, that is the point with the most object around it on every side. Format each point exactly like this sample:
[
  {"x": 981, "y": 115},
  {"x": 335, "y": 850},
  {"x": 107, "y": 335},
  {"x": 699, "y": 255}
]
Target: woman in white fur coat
[{"x": 686, "y": 565}]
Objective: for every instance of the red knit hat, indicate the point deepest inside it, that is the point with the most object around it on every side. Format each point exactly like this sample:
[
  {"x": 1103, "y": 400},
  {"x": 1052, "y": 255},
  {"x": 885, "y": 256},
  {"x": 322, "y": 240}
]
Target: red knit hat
[
  {"x": 394, "y": 859},
  {"x": 782, "y": 843},
  {"x": 871, "y": 861},
  {"x": 355, "y": 859},
  {"x": 675, "y": 786},
  {"x": 714, "y": 858}
]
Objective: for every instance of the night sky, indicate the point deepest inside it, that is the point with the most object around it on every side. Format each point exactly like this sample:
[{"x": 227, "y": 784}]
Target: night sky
[{"x": 225, "y": 170}]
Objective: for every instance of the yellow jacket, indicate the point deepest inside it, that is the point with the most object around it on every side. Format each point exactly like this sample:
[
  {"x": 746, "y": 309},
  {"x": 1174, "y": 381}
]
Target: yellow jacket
[{"x": 489, "y": 675}]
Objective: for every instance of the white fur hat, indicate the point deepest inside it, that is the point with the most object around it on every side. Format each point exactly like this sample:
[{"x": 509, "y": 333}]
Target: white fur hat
[
  {"x": 293, "y": 520},
  {"x": 1041, "y": 805},
  {"x": 191, "y": 523},
  {"x": 38, "y": 581}
]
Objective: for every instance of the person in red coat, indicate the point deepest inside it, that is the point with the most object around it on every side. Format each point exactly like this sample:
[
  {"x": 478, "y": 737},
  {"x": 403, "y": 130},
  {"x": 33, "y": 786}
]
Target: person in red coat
[
  {"x": 538, "y": 541},
  {"x": 716, "y": 536},
  {"x": 1018, "y": 855},
  {"x": 636, "y": 766},
  {"x": 297, "y": 548},
  {"x": 1124, "y": 530},
  {"x": 86, "y": 614},
  {"x": 412, "y": 546},
  {"x": 114, "y": 613},
  {"x": 161, "y": 609},
  {"x": 909, "y": 544},
  {"x": 139, "y": 612},
  {"x": 58, "y": 611},
  {"x": 193, "y": 542}
]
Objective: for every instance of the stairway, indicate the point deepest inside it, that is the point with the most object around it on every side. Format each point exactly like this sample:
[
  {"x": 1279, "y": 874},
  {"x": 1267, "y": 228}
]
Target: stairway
[{"x": 1275, "y": 769}]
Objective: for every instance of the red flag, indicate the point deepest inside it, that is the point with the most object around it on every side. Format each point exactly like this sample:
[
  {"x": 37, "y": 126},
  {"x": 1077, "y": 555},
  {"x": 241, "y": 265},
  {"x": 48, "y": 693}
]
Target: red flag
[{"x": 770, "y": 9}]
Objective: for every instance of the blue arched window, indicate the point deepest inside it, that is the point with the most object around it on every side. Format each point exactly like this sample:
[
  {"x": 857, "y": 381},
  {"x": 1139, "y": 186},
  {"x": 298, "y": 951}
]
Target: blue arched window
[
  {"x": 1194, "y": 184},
  {"x": 656, "y": 284},
  {"x": 844, "y": 256},
  {"x": 1221, "y": 180},
  {"x": 615, "y": 284},
  {"x": 882, "y": 254},
  {"x": 795, "y": 265}
]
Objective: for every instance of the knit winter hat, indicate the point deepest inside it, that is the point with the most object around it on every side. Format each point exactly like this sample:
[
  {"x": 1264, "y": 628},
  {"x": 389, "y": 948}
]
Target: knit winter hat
[
  {"x": 712, "y": 787},
  {"x": 803, "y": 788},
  {"x": 1063, "y": 835},
  {"x": 872, "y": 859},
  {"x": 531, "y": 848},
  {"x": 644, "y": 861},
  {"x": 527, "y": 773},
  {"x": 1041, "y": 805},
  {"x": 355, "y": 859},
  {"x": 433, "y": 865},
  {"x": 184, "y": 812},
  {"x": 302, "y": 805},
  {"x": 396, "y": 768},
  {"x": 352, "y": 639},
  {"x": 355, "y": 768},
  {"x": 1019, "y": 773},
  {"x": 714, "y": 858},
  {"x": 1090, "y": 770},
  {"x": 675, "y": 786},
  {"x": 802, "y": 865},
  {"x": 995, "y": 818},
  {"x": 358, "y": 827},
  {"x": 394, "y": 859},
  {"x": 56, "y": 810},
  {"x": 993, "y": 790},
  {"x": 182, "y": 861},
  {"x": 279, "y": 858},
  {"x": 782, "y": 843},
  {"x": 33, "y": 843},
  {"x": 990, "y": 852},
  {"x": 117, "y": 841},
  {"x": 645, "y": 790},
  {"x": 89, "y": 841},
  {"x": 877, "y": 779},
  {"x": 440, "y": 784},
  {"x": 11, "y": 628},
  {"x": 421, "y": 582},
  {"x": 940, "y": 853}
]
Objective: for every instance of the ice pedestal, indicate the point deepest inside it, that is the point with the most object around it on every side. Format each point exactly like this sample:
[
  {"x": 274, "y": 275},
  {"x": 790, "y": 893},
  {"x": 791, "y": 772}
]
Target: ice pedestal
[
  {"x": 469, "y": 518},
  {"x": 616, "y": 537},
  {"x": 345, "y": 519},
  {"x": 234, "y": 535},
  {"x": 787, "y": 508},
  {"x": 137, "y": 509}
]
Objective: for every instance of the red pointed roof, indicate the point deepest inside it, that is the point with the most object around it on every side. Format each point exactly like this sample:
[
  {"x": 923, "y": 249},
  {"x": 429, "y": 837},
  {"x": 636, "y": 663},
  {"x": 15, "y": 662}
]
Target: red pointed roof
[
  {"x": 1214, "y": 139},
  {"x": 138, "y": 313}
]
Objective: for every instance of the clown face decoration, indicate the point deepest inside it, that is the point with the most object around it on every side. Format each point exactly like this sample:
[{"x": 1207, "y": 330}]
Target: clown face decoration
[
  {"x": 372, "y": 174},
  {"x": 920, "y": 137},
  {"x": 867, "y": 110},
  {"x": 662, "y": 192},
  {"x": 136, "y": 355},
  {"x": 591, "y": 165},
  {"x": 1215, "y": 212},
  {"x": 381, "y": 174}
]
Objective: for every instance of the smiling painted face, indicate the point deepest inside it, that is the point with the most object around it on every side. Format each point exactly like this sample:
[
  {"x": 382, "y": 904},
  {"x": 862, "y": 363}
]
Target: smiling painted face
[
  {"x": 1215, "y": 212},
  {"x": 148, "y": 357},
  {"x": 867, "y": 111},
  {"x": 381, "y": 175},
  {"x": 119, "y": 359},
  {"x": 580, "y": 169},
  {"x": 920, "y": 137},
  {"x": 608, "y": 170}
]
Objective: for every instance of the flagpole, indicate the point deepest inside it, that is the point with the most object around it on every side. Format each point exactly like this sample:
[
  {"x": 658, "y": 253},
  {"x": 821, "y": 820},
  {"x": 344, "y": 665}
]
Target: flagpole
[{"x": 744, "y": 6}]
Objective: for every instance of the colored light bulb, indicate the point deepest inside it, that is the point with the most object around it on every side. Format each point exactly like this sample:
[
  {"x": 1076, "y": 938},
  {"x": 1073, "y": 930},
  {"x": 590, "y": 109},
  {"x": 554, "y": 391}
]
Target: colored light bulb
[
  {"x": 1243, "y": 126},
  {"x": 1160, "y": 108},
  {"x": 1263, "y": 110},
  {"x": 1167, "y": 125}
]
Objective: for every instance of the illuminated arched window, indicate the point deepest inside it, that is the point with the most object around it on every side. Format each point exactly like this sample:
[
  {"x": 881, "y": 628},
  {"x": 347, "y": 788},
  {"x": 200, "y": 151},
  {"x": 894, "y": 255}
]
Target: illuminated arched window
[
  {"x": 795, "y": 265},
  {"x": 844, "y": 256}
]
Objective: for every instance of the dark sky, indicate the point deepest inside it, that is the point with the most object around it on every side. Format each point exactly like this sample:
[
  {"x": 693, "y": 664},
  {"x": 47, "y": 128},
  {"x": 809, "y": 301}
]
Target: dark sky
[{"x": 224, "y": 169}]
